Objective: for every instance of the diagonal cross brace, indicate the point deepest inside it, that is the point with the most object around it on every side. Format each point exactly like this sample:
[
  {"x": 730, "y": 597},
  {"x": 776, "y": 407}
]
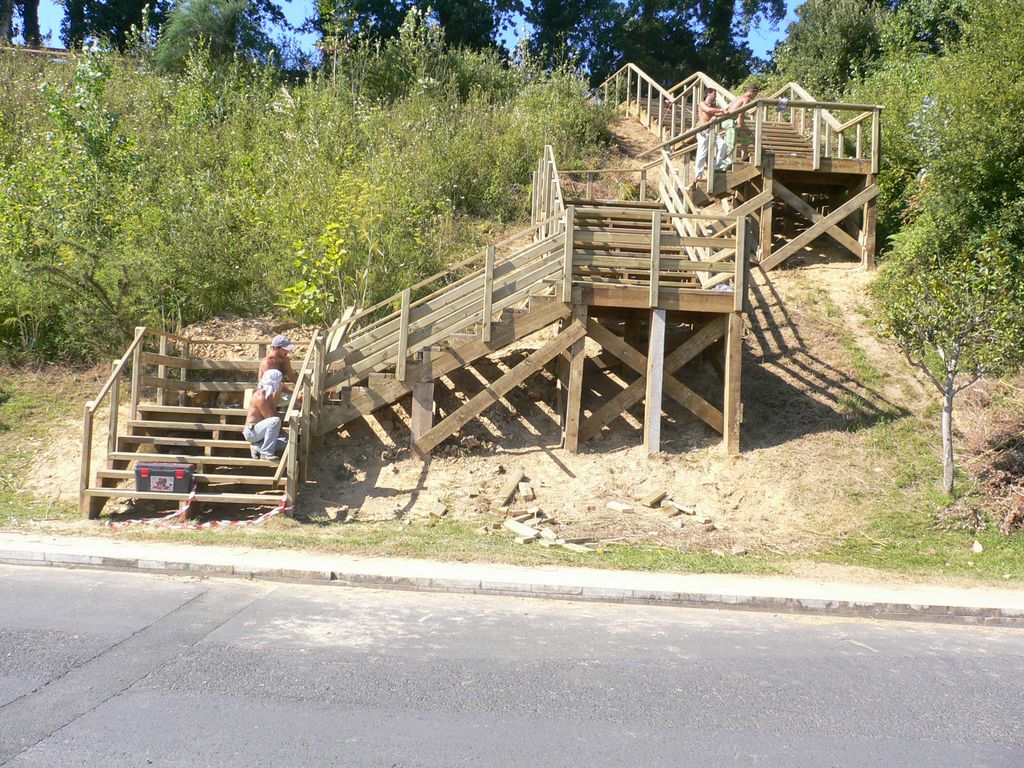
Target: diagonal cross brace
[
  {"x": 502, "y": 386},
  {"x": 634, "y": 393}
]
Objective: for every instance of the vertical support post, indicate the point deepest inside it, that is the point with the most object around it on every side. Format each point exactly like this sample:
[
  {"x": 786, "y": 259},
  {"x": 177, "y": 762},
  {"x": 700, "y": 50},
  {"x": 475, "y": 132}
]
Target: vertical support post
[
  {"x": 767, "y": 211},
  {"x": 828, "y": 140},
  {"x": 639, "y": 85},
  {"x": 403, "y": 335},
  {"x": 758, "y": 134},
  {"x": 161, "y": 371},
  {"x": 317, "y": 389},
  {"x": 590, "y": 186},
  {"x": 868, "y": 233},
  {"x": 816, "y": 140},
  {"x": 292, "y": 481},
  {"x": 712, "y": 152},
  {"x": 574, "y": 395},
  {"x": 643, "y": 184},
  {"x": 533, "y": 197},
  {"x": 183, "y": 373},
  {"x": 422, "y": 399},
  {"x": 488, "y": 291},
  {"x": 655, "y": 256},
  {"x": 742, "y": 261},
  {"x": 876, "y": 142},
  {"x": 570, "y": 228},
  {"x": 86, "y": 469},
  {"x": 661, "y": 117},
  {"x": 650, "y": 108},
  {"x": 859, "y": 143},
  {"x": 655, "y": 372},
  {"x": 733, "y": 410},
  {"x": 629, "y": 88},
  {"x": 115, "y": 399},
  {"x": 672, "y": 120},
  {"x": 136, "y": 372}
]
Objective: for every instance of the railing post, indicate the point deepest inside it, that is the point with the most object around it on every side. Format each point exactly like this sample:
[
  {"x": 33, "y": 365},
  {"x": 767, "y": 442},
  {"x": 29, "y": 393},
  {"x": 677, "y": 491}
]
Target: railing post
[
  {"x": 488, "y": 290},
  {"x": 816, "y": 140},
  {"x": 590, "y": 186},
  {"x": 115, "y": 397},
  {"x": 655, "y": 257},
  {"x": 661, "y": 118},
  {"x": 403, "y": 335},
  {"x": 643, "y": 184},
  {"x": 758, "y": 134},
  {"x": 316, "y": 399},
  {"x": 161, "y": 370},
  {"x": 712, "y": 152},
  {"x": 629, "y": 88},
  {"x": 533, "y": 197},
  {"x": 740, "y": 278},
  {"x": 136, "y": 372},
  {"x": 570, "y": 228},
  {"x": 639, "y": 85},
  {"x": 650, "y": 109},
  {"x": 185, "y": 351},
  {"x": 876, "y": 142},
  {"x": 86, "y": 469},
  {"x": 859, "y": 148}
]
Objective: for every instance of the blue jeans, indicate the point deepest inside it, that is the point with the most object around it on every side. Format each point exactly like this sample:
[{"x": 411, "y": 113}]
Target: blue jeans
[{"x": 262, "y": 437}]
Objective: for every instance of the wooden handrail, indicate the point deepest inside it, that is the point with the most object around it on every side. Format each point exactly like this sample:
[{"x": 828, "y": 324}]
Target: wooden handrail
[{"x": 92, "y": 405}]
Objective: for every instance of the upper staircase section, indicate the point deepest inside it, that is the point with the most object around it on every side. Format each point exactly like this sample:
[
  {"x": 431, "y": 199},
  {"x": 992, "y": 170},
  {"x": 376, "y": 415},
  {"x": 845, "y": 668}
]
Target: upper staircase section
[{"x": 798, "y": 131}]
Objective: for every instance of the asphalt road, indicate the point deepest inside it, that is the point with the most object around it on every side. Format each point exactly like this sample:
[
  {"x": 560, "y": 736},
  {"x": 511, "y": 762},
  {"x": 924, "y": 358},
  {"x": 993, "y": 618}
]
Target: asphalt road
[{"x": 110, "y": 669}]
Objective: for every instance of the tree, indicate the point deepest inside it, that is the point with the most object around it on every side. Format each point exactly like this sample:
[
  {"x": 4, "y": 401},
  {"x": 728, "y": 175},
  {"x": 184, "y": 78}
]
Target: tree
[
  {"x": 583, "y": 34},
  {"x": 831, "y": 43},
  {"x": 6, "y": 21},
  {"x": 29, "y": 10},
  {"x": 223, "y": 27}
]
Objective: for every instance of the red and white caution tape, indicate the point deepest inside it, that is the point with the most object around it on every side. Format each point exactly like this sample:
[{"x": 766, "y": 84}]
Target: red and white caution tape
[
  {"x": 281, "y": 508},
  {"x": 170, "y": 521},
  {"x": 159, "y": 521}
]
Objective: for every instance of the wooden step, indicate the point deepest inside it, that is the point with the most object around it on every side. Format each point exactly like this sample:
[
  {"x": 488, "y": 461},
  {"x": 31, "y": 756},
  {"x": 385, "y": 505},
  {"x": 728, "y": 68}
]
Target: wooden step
[
  {"x": 190, "y": 442},
  {"x": 200, "y": 460},
  {"x": 200, "y": 477},
  {"x": 249, "y": 499},
  {"x": 195, "y": 426},
  {"x": 190, "y": 409}
]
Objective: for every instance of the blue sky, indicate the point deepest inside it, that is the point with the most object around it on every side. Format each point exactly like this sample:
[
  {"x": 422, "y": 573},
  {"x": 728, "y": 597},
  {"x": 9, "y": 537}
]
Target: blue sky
[{"x": 762, "y": 38}]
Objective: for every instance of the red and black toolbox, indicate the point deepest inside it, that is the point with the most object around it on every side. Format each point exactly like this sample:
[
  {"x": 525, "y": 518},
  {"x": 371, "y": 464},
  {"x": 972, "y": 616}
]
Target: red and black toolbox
[{"x": 163, "y": 477}]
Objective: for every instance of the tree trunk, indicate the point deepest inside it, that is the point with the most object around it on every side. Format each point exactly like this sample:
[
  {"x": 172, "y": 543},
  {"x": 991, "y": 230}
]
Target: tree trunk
[
  {"x": 947, "y": 435},
  {"x": 30, "y": 17},
  {"x": 6, "y": 21}
]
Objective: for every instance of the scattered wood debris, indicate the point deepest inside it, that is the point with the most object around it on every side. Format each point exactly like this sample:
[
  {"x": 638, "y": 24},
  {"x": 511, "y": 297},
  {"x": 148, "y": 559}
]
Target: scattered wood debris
[
  {"x": 526, "y": 491},
  {"x": 508, "y": 490},
  {"x": 680, "y": 508},
  {"x": 618, "y": 506},
  {"x": 654, "y": 499}
]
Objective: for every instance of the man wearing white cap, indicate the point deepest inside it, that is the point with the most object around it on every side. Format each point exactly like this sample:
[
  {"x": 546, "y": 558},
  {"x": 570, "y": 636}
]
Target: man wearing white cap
[
  {"x": 277, "y": 359},
  {"x": 262, "y": 424}
]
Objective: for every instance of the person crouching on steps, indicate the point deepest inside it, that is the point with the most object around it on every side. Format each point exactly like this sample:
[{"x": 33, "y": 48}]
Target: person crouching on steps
[{"x": 262, "y": 424}]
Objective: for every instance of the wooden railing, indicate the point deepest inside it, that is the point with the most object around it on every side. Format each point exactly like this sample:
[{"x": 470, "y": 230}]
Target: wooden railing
[{"x": 707, "y": 252}]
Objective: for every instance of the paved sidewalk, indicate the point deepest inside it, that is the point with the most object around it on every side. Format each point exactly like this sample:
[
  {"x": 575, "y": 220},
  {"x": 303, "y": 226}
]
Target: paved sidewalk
[{"x": 988, "y": 606}]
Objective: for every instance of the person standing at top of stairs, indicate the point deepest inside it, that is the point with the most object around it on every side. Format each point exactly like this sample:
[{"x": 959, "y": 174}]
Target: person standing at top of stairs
[
  {"x": 262, "y": 424},
  {"x": 727, "y": 138},
  {"x": 707, "y": 111}
]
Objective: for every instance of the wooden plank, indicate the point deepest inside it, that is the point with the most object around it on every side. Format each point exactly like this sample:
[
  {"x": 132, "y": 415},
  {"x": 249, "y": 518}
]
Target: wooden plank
[
  {"x": 638, "y": 297},
  {"x": 816, "y": 139},
  {"x": 655, "y": 256},
  {"x": 85, "y": 471},
  {"x": 575, "y": 385},
  {"x": 196, "y": 364},
  {"x": 733, "y": 408},
  {"x": 740, "y": 280},
  {"x": 268, "y": 500},
  {"x": 767, "y": 211},
  {"x": 161, "y": 370},
  {"x": 570, "y": 236},
  {"x": 115, "y": 401},
  {"x": 481, "y": 401},
  {"x": 819, "y": 228},
  {"x": 870, "y": 224},
  {"x": 403, "y": 335},
  {"x": 485, "y": 332},
  {"x": 508, "y": 490},
  {"x": 795, "y": 202},
  {"x": 184, "y": 458},
  {"x": 422, "y": 416},
  {"x": 196, "y": 386},
  {"x": 199, "y": 477},
  {"x": 655, "y": 373},
  {"x": 136, "y": 372}
]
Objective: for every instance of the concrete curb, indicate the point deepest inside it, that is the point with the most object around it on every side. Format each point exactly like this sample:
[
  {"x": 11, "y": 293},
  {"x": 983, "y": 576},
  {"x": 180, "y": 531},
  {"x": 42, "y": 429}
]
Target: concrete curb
[{"x": 985, "y": 607}]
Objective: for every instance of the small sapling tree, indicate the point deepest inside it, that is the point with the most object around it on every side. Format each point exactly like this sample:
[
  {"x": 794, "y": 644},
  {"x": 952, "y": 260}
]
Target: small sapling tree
[{"x": 957, "y": 317}]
